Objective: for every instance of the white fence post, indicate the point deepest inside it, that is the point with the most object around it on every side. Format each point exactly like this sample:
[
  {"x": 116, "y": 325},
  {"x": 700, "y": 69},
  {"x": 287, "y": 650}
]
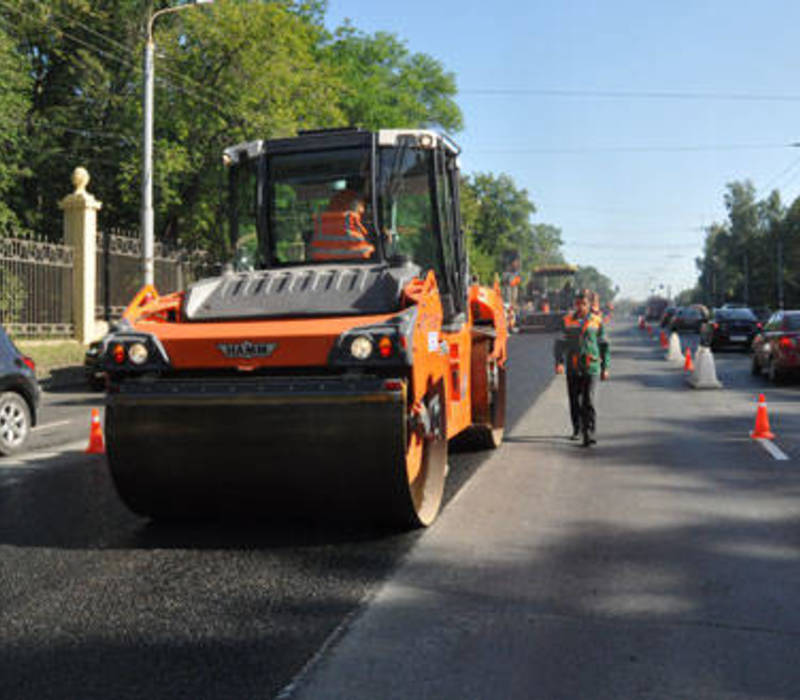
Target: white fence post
[{"x": 80, "y": 231}]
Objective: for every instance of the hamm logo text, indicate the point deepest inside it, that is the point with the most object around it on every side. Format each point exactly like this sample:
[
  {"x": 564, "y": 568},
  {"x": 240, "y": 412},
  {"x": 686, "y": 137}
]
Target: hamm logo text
[{"x": 246, "y": 350}]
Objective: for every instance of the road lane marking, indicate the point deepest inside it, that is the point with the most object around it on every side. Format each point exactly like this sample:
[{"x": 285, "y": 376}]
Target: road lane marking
[
  {"x": 30, "y": 459},
  {"x": 773, "y": 449},
  {"x": 55, "y": 424}
]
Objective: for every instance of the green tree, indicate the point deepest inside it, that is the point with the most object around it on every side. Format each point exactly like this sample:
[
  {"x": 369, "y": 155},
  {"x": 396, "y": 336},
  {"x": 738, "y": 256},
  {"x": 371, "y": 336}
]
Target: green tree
[
  {"x": 81, "y": 60},
  {"x": 12, "y": 297},
  {"x": 739, "y": 261},
  {"x": 261, "y": 80},
  {"x": 226, "y": 73},
  {"x": 497, "y": 221},
  {"x": 588, "y": 277},
  {"x": 384, "y": 85},
  {"x": 14, "y": 106}
]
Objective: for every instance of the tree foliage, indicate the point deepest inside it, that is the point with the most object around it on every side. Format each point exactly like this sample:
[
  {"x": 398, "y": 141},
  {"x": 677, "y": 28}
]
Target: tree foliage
[
  {"x": 71, "y": 94},
  {"x": 746, "y": 257},
  {"x": 589, "y": 277},
  {"x": 497, "y": 220},
  {"x": 383, "y": 85},
  {"x": 14, "y": 106}
]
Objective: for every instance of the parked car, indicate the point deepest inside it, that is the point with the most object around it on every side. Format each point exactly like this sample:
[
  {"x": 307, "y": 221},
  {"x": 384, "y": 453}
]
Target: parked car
[
  {"x": 762, "y": 313},
  {"x": 667, "y": 316},
  {"x": 92, "y": 370},
  {"x": 776, "y": 349},
  {"x": 689, "y": 318},
  {"x": 19, "y": 396},
  {"x": 737, "y": 327}
]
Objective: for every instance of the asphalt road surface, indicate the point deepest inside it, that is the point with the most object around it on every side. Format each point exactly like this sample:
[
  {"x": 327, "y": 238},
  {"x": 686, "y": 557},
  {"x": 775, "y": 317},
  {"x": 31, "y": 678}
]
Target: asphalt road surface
[
  {"x": 96, "y": 602},
  {"x": 663, "y": 564}
]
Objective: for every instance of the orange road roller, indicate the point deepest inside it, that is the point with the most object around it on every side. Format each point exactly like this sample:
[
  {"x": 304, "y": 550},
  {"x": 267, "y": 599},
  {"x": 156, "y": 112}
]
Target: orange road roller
[{"x": 324, "y": 370}]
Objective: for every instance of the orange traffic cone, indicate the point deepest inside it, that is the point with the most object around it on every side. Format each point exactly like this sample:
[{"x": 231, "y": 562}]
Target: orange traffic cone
[
  {"x": 662, "y": 338},
  {"x": 688, "y": 365},
  {"x": 762, "y": 421},
  {"x": 96, "y": 444}
]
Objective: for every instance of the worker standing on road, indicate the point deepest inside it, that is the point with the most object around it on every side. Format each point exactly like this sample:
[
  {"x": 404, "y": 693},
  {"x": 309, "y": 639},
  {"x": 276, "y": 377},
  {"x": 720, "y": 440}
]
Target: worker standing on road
[{"x": 584, "y": 350}]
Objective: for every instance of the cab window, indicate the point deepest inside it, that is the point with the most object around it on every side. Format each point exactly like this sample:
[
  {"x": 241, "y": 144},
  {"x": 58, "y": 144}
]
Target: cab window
[
  {"x": 407, "y": 207},
  {"x": 319, "y": 207}
]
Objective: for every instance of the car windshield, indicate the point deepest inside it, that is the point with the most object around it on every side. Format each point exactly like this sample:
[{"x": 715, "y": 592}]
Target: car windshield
[
  {"x": 791, "y": 322},
  {"x": 736, "y": 315}
]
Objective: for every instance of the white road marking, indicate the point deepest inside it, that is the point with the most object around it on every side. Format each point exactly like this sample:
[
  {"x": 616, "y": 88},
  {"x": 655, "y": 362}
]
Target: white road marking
[
  {"x": 773, "y": 449},
  {"x": 55, "y": 424},
  {"x": 30, "y": 459}
]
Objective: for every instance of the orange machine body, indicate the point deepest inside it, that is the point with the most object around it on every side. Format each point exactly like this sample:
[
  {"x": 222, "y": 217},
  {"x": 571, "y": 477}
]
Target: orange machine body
[{"x": 438, "y": 354}]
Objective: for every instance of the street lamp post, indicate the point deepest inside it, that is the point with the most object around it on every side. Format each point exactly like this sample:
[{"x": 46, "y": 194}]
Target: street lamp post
[{"x": 148, "y": 239}]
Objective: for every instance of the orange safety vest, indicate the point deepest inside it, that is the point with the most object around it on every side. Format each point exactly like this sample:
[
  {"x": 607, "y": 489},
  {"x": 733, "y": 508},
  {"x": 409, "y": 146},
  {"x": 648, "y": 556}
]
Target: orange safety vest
[{"x": 340, "y": 235}]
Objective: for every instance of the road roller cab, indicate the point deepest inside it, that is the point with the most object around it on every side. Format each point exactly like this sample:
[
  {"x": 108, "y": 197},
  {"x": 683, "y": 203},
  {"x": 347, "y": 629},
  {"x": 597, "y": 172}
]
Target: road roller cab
[{"x": 324, "y": 371}]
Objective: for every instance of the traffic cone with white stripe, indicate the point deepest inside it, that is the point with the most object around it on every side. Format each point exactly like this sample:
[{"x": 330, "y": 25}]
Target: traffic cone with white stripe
[
  {"x": 704, "y": 375},
  {"x": 96, "y": 443},
  {"x": 674, "y": 353},
  {"x": 762, "y": 421},
  {"x": 688, "y": 365}
]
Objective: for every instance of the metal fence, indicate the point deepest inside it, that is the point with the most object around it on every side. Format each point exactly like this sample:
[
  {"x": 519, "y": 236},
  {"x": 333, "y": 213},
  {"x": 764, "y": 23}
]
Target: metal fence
[
  {"x": 36, "y": 287},
  {"x": 36, "y": 280},
  {"x": 119, "y": 270}
]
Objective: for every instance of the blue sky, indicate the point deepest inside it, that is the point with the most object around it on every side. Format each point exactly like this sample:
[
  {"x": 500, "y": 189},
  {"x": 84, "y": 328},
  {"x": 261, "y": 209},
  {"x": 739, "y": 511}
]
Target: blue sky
[{"x": 660, "y": 105}]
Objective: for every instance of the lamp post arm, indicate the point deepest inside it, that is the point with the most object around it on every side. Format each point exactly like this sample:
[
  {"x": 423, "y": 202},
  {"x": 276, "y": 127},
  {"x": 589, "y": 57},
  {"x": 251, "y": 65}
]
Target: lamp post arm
[{"x": 158, "y": 13}]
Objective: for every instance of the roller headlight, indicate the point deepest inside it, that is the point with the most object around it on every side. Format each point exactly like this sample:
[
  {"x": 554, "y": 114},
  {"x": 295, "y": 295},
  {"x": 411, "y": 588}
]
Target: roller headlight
[
  {"x": 361, "y": 347},
  {"x": 137, "y": 353}
]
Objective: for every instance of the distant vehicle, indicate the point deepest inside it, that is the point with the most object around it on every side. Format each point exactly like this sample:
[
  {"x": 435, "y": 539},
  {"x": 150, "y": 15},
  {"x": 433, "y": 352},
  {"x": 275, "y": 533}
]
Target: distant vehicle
[
  {"x": 546, "y": 307},
  {"x": 689, "y": 318},
  {"x": 732, "y": 326},
  {"x": 19, "y": 396},
  {"x": 92, "y": 366},
  {"x": 776, "y": 349},
  {"x": 762, "y": 313},
  {"x": 667, "y": 316},
  {"x": 655, "y": 308}
]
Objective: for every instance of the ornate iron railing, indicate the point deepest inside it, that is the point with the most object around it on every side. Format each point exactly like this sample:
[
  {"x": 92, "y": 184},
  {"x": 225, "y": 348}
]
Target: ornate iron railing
[
  {"x": 119, "y": 270},
  {"x": 36, "y": 287},
  {"x": 36, "y": 280}
]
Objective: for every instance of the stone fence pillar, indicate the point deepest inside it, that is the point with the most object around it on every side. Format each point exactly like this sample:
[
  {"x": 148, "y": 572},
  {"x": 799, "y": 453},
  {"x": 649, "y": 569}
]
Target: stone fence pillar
[{"x": 80, "y": 231}]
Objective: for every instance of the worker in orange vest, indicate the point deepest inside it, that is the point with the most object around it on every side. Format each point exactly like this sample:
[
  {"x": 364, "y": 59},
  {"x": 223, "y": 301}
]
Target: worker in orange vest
[
  {"x": 339, "y": 233},
  {"x": 583, "y": 348}
]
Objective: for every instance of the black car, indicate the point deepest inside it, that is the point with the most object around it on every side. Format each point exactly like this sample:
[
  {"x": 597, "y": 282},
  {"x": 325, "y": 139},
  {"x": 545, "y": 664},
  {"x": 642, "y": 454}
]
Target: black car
[
  {"x": 689, "y": 318},
  {"x": 667, "y": 316},
  {"x": 730, "y": 326},
  {"x": 92, "y": 366},
  {"x": 19, "y": 396}
]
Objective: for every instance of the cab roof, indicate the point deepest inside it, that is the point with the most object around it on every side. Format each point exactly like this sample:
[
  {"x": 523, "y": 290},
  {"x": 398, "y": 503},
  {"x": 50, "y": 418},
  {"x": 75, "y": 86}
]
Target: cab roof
[{"x": 325, "y": 139}]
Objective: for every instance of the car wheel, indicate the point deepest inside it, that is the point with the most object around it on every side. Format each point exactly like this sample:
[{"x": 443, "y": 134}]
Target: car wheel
[{"x": 15, "y": 422}]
